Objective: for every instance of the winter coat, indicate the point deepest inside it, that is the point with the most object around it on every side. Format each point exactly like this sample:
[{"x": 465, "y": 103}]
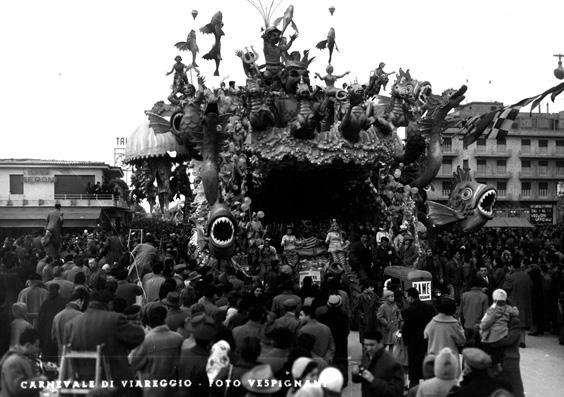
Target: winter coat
[
  {"x": 48, "y": 311},
  {"x": 511, "y": 372},
  {"x": 474, "y": 304},
  {"x": 97, "y": 326},
  {"x": 389, "y": 318},
  {"x": 388, "y": 376},
  {"x": 157, "y": 358},
  {"x": 519, "y": 285},
  {"x": 15, "y": 368},
  {"x": 495, "y": 323},
  {"x": 443, "y": 331}
]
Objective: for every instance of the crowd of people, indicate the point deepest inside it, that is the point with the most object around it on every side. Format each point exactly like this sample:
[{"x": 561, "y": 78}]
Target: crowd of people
[{"x": 163, "y": 315}]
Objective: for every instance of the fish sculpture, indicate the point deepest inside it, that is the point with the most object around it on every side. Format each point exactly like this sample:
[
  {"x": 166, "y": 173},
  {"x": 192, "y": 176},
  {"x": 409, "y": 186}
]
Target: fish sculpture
[
  {"x": 214, "y": 27},
  {"x": 287, "y": 20},
  {"x": 222, "y": 227},
  {"x": 430, "y": 128},
  {"x": 329, "y": 43},
  {"x": 189, "y": 45},
  {"x": 469, "y": 207}
]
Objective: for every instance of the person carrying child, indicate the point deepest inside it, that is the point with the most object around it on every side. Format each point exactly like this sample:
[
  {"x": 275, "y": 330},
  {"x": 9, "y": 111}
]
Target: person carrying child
[{"x": 495, "y": 325}]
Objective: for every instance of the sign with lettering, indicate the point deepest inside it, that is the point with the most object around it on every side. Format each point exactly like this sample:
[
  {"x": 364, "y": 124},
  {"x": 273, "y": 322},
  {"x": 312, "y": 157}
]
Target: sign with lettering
[
  {"x": 424, "y": 288},
  {"x": 39, "y": 179},
  {"x": 541, "y": 214},
  {"x": 314, "y": 274},
  {"x": 121, "y": 141}
]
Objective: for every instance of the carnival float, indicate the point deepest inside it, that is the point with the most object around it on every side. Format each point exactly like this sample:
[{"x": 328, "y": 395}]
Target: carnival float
[{"x": 280, "y": 150}]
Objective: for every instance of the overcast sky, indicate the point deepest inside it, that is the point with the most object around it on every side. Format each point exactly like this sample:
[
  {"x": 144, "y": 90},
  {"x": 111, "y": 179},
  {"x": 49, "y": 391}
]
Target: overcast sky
[{"x": 76, "y": 74}]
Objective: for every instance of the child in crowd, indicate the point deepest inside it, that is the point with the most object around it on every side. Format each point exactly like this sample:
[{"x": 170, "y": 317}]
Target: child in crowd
[{"x": 495, "y": 325}]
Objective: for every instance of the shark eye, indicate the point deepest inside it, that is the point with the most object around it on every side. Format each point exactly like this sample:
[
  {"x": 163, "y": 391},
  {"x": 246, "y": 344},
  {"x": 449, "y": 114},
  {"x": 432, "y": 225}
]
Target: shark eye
[{"x": 466, "y": 193}]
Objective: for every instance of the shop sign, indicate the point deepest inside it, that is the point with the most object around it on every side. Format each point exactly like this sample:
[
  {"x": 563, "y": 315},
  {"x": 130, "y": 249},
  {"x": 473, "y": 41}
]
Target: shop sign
[
  {"x": 541, "y": 214},
  {"x": 39, "y": 179},
  {"x": 424, "y": 288}
]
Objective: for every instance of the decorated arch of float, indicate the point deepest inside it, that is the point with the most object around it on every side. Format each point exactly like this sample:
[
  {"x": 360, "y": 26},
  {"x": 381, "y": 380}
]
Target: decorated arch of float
[{"x": 278, "y": 150}]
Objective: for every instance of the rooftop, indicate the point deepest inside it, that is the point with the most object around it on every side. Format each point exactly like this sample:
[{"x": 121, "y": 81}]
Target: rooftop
[{"x": 52, "y": 162}]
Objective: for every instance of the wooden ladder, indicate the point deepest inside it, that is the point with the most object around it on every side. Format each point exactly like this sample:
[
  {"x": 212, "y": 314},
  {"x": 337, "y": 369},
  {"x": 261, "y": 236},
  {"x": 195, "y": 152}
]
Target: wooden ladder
[{"x": 66, "y": 366}]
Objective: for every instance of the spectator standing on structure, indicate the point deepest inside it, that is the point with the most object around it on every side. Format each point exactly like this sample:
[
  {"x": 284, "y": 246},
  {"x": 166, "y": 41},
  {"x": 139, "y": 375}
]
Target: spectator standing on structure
[{"x": 53, "y": 234}]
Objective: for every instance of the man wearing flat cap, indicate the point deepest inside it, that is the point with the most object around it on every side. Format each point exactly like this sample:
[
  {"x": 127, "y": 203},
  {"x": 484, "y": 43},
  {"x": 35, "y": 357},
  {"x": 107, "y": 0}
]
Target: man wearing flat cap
[
  {"x": 97, "y": 326},
  {"x": 192, "y": 362},
  {"x": 477, "y": 380},
  {"x": 175, "y": 316},
  {"x": 288, "y": 319}
]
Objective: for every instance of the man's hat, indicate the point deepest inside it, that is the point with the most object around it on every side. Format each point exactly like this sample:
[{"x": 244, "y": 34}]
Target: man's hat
[
  {"x": 334, "y": 301},
  {"x": 132, "y": 313},
  {"x": 202, "y": 327},
  {"x": 194, "y": 275},
  {"x": 172, "y": 299},
  {"x": 180, "y": 267},
  {"x": 290, "y": 304},
  {"x": 476, "y": 358},
  {"x": 260, "y": 375}
]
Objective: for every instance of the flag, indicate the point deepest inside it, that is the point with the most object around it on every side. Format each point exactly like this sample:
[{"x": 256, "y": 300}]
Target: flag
[
  {"x": 555, "y": 91},
  {"x": 496, "y": 124},
  {"x": 475, "y": 126}
]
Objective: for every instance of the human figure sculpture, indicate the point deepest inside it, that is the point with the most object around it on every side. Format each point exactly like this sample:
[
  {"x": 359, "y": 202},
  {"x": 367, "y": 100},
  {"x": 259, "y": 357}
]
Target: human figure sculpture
[
  {"x": 274, "y": 48},
  {"x": 378, "y": 79},
  {"x": 330, "y": 80},
  {"x": 180, "y": 77}
]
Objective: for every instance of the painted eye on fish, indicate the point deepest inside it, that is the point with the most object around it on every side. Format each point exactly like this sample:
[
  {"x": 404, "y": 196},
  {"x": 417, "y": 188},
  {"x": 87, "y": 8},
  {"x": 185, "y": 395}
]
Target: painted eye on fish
[{"x": 467, "y": 193}]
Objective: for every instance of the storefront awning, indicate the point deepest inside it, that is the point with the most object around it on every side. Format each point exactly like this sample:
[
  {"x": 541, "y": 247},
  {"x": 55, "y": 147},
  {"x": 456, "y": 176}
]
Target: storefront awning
[
  {"x": 34, "y": 217},
  {"x": 501, "y": 221}
]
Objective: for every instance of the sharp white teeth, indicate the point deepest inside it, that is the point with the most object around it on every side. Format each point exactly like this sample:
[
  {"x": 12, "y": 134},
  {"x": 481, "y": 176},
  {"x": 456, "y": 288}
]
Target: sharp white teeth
[
  {"x": 489, "y": 198},
  {"x": 222, "y": 232}
]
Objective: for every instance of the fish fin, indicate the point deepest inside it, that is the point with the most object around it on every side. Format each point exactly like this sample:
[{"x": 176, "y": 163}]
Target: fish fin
[
  {"x": 293, "y": 24},
  {"x": 337, "y": 48},
  {"x": 221, "y": 32},
  {"x": 158, "y": 123},
  {"x": 322, "y": 44},
  {"x": 208, "y": 29},
  {"x": 277, "y": 21},
  {"x": 440, "y": 214},
  {"x": 182, "y": 46}
]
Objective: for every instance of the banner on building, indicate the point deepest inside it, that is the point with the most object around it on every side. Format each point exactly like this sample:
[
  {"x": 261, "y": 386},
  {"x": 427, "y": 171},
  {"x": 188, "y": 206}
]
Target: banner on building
[{"x": 542, "y": 214}]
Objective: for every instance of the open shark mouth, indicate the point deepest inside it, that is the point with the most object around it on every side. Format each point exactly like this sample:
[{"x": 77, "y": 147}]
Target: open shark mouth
[
  {"x": 222, "y": 232},
  {"x": 487, "y": 202}
]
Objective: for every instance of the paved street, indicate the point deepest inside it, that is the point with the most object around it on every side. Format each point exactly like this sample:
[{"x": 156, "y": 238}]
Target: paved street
[{"x": 542, "y": 366}]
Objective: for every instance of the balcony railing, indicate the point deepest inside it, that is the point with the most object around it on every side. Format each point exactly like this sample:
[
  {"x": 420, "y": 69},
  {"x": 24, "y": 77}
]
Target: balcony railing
[
  {"x": 492, "y": 152},
  {"x": 107, "y": 196},
  {"x": 492, "y": 174},
  {"x": 537, "y": 174},
  {"x": 538, "y": 154},
  {"x": 66, "y": 200}
]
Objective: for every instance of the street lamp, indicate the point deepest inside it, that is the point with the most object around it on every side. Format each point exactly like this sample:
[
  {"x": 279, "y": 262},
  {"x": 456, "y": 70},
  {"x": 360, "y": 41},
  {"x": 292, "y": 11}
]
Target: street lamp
[{"x": 559, "y": 71}]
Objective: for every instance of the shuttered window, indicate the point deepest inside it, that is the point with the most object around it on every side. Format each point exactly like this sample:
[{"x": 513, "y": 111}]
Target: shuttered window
[{"x": 16, "y": 184}]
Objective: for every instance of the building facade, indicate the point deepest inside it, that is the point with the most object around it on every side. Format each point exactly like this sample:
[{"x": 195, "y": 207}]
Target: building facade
[
  {"x": 526, "y": 166},
  {"x": 30, "y": 188}
]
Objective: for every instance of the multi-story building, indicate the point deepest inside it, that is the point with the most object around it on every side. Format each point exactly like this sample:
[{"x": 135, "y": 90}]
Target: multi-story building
[
  {"x": 526, "y": 166},
  {"x": 30, "y": 188}
]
